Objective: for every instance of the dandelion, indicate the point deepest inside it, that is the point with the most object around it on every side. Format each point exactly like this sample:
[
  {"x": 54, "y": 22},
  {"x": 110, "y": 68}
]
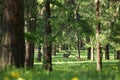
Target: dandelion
[
  {"x": 15, "y": 74},
  {"x": 75, "y": 78},
  {"x": 6, "y": 78}
]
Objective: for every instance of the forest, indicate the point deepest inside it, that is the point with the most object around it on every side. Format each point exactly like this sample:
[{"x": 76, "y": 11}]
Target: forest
[{"x": 59, "y": 39}]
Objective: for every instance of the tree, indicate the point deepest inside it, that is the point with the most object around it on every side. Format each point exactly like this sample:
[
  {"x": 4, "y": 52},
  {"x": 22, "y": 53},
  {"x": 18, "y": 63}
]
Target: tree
[
  {"x": 118, "y": 54},
  {"x": 92, "y": 53},
  {"x": 47, "y": 56},
  {"x": 13, "y": 42},
  {"x": 110, "y": 21},
  {"x": 39, "y": 55},
  {"x": 31, "y": 27},
  {"x": 98, "y": 46},
  {"x": 88, "y": 49},
  {"x": 1, "y": 12},
  {"x": 114, "y": 27},
  {"x": 107, "y": 52},
  {"x": 72, "y": 23}
]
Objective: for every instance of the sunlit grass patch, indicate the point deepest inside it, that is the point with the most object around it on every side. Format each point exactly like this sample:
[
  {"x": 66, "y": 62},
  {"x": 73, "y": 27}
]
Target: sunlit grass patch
[
  {"x": 66, "y": 69},
  {"x": 76, "y": 71}
]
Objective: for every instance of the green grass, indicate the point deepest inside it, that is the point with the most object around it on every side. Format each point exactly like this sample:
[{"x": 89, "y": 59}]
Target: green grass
[
  {"x": 67, "y": 71},
  {"x": 64, "y": 69}
]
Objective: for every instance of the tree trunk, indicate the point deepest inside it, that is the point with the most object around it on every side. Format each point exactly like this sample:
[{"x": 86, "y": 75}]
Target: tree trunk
[
  {"x": 88, "y": 49},
  {"x": 31, "y": 27},
  {"x": 107, "y": 52},
  {"x": 78, "y": 47},
  {"x": 118, "y": 54},
  {"x": 13, "y": 42},
  {"x": 65, "y": 47},
  {"x": 70, "y": 47},
  {"x": 29, "y": 57},
  {"x": 89, "y": 53},
  {"x": 99, "y": 59},
  {"x": 39, "y": 55},
  {"x": 47, "y": 52},
  {"x": 1, "y": 13},
  {"x": 92, "y": 53}
]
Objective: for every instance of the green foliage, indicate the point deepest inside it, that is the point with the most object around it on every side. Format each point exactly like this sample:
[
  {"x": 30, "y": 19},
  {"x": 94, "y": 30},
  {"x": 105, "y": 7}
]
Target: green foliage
[
  {"x": 86, "y": 28},
  {"x": 30, "y": 37},
  {"x": 110, "y": 23},
  {"x": 66, "y": 24},
  {"x": 39, "y": 31},
  {"x": 57, "y": 3}
]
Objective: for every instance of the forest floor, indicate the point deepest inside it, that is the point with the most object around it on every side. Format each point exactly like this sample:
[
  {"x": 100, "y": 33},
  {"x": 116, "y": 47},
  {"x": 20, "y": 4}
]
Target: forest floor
[{"x": 67, "y": 69}]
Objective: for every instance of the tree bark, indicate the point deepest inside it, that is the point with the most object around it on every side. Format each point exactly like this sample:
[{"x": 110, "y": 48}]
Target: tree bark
[
  {"x": 98, "y": 46},
  {"x": 13, "y": 42},
  {"x": 29, "y": 57},
  {"x": 118, "y": 54},
  {"x": 115, "y": 54},
  {"x": 99, "y": 57},
  {"x": 107, "y": 52},
  {"x": 39, "y": 55},
  {"x": 89, "y": 53},
  {"x": 88, "y": 49},
  {"x": 31, "y": 27},
  {"x": 78, "y": 47},
  {"x": 65, "y": 47},
  {"x": 1, "y": 13},
  {"x": 92, "y": 53},
  {"x": 47, "y": 52}
]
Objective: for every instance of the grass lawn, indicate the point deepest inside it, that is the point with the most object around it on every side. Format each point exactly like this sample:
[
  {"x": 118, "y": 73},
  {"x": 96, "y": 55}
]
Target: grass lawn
[{"x": 63, "y": 69}]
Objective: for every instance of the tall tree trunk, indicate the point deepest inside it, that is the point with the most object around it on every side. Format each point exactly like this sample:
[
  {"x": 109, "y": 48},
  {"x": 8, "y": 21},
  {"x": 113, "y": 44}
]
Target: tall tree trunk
[
  {"x": 89, "y": 53},
  {"x": 78, "y": 47},
  {"x": 118, "y": 55},
  {"x": 39, "y": 55},
  {"x": 65, "y": 47},
  {"x": 92, "y": 53},
  {"x": 88, "y": 49},
  {"x": 115, "y": 54},
  {"x": 13, "y": 42},
  {"x": 99, "y": 59},
  {"x": 1, "y": 13},
  {"x": 77, "y": 18},
  {"x": 29, "y": 58},
  {"x": 47, "y": 52},
  {"x": 107, "y": 52},
  {"x": 70, "y": 47}
]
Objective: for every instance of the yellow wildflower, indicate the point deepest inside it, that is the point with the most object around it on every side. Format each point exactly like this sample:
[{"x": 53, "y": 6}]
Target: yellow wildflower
[
  {"x": 75, "y": 78},
  {"x": 20, "y": 78},
  {"x": 15, "y": 74},
  {"x": 6, "y": 78}
]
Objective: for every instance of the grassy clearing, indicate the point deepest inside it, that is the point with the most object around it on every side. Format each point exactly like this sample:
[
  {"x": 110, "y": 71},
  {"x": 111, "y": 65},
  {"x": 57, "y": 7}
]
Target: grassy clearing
[{"x": 64, "y": 69}]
